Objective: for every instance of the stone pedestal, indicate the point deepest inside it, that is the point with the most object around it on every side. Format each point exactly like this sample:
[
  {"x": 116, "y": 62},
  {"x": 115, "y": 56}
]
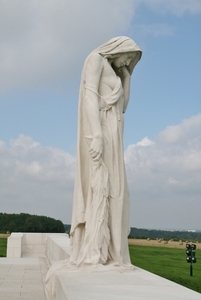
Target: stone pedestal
[
  {"x": 119, "y": 285},
  {"x": 86, "y": 284}
]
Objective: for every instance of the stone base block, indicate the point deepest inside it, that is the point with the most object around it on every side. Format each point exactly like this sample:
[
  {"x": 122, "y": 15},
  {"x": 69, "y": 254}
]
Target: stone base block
[{"x": 119, "y": 285}]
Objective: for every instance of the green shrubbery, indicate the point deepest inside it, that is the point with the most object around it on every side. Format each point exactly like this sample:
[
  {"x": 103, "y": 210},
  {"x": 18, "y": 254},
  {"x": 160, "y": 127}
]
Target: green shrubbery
[
  {"x": 29, "y": 223},
  {"x": 3, "y": 247}
]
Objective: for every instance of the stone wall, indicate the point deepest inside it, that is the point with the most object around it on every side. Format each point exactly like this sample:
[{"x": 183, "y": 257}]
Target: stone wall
[{"x": 55, "y": 246}]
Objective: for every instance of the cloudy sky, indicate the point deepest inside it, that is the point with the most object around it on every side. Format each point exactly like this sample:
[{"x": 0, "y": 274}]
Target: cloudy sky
[{"x": 43, "y": 45}]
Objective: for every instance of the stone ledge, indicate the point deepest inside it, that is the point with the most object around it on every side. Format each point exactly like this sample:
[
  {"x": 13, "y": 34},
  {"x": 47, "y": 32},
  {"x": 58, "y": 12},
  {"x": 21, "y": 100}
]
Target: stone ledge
[
  {"x": 56, "y": 246},
  {"x": 119, "y": 285}
]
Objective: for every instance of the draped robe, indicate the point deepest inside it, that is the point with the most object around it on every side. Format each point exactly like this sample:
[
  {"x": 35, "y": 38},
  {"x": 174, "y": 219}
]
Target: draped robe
[{"x": 100, "y": 218}]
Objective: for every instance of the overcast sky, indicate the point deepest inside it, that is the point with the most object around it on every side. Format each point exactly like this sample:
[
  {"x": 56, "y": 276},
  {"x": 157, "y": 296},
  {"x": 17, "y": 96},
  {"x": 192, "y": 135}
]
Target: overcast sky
[{"x": 43, "y": 45}]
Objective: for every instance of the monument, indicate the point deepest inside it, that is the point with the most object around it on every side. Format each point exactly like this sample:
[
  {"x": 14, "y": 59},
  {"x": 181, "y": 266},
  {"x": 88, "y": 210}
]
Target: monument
[{"x": 100, "y": 217}]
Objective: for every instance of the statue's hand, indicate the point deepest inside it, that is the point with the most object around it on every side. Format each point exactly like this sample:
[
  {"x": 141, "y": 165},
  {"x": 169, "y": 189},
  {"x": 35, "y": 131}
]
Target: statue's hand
[
  {"x": 96, "y": 148},
  {"x": 123, "y": 72}
]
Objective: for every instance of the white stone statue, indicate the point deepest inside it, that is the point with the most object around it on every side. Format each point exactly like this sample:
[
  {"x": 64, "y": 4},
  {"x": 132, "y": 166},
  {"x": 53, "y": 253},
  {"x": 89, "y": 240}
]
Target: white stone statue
[{"x": 100, "y": 218}]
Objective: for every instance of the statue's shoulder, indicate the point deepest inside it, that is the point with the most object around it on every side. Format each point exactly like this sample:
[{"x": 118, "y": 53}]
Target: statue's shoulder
[
  {"x": 96, "y": 58},
  {"x": 94, "y": 64}
]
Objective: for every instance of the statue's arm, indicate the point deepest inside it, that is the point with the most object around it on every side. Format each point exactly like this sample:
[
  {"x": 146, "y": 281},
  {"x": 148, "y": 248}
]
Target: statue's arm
[
  {"x": 125, "y": 78},
  {"x": 92, "y": 79}
]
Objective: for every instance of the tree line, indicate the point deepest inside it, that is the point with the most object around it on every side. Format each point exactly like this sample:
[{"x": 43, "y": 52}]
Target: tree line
[
  {"x": 138, "y": 233},
  {"x": 164, "y": 234},
  {"x": 24, "y": 222}
]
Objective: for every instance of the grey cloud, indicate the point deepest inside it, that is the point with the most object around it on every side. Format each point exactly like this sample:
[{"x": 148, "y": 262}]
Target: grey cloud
[
  {"x": 187, "y": 130},
  {"x": 46, "y": 41},
  {"x": 36, "y": 179},
  {"x": 165, "y": 177}
]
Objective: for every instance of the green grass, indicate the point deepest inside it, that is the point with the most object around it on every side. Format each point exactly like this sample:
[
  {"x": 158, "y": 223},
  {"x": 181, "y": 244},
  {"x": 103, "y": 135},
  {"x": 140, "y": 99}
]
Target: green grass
[
  {"x": 169, "y": 263},
  {"x": 3, "y": 246}
]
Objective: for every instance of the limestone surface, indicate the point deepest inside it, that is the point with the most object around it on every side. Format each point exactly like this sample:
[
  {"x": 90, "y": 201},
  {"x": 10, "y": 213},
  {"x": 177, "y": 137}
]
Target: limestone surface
[{"x": 100, "y": 218}]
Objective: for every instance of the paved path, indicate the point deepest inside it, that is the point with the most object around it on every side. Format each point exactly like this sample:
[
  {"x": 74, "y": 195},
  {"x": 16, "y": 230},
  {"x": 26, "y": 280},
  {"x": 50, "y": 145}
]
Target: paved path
[{"x": 23, "y": 278}]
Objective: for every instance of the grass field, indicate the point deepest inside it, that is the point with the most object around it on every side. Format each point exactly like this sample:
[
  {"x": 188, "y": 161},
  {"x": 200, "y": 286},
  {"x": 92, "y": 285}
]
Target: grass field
[
  {"x": 169, "y": 263},
  {"x": 3, "y": 246}
]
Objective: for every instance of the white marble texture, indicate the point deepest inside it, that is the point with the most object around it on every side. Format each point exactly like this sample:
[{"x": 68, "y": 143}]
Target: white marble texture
[
  {"x": 100, "y": 217},
  {"x": 23, "y": 278},
  {"x": 33, "y": 243},
  {"x": 56, "y": 246},
  {"x": 118, "y": 285},
  {"x": 14, "y": 245}
]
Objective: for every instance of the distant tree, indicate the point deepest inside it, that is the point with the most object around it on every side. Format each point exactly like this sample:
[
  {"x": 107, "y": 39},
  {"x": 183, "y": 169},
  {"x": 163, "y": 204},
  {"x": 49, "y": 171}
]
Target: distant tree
[
  {"x": 165, "y": 234},
  {"x": 29, "y": 223}
]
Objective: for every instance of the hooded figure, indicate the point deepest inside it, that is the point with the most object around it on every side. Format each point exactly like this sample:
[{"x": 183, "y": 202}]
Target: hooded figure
[{"x": 100, "y": 218}]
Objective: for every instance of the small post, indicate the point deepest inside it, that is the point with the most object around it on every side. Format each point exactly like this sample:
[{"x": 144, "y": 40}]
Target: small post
[{"x": 191, "y": 270}]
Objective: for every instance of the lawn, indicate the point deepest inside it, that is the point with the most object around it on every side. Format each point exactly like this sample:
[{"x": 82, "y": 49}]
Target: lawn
[
  {"x": 169, "y": 263},
  {"x": 3, "y": 246}
]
